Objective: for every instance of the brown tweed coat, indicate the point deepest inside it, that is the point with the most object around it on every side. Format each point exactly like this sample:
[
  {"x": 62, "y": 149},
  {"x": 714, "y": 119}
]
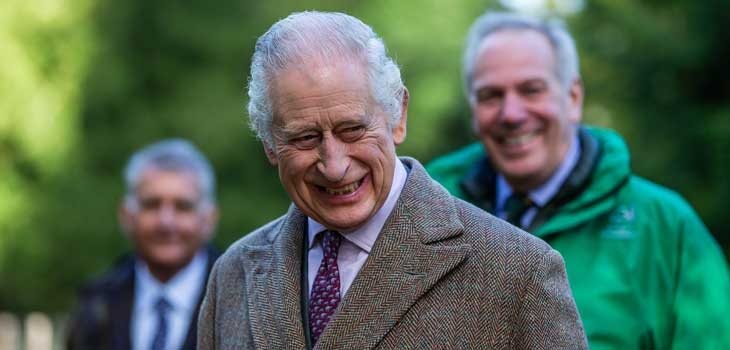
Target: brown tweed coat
[{"x": 442, "y": 275}]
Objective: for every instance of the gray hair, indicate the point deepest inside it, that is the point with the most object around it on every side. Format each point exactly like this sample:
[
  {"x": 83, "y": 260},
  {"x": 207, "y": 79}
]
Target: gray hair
[
  {"x": 325, "y": 36},
  {"x": 566, "y": 55},
  {"x": 175, "y": 155}
]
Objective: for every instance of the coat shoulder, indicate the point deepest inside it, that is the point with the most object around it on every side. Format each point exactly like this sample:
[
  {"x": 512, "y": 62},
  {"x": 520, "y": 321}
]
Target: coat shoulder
[
  {"x": 497, "y": 240},
  {"x": 495, "y": 230},
  {"x": 260, "y": 237},
  {"x": 119, "y": 276}
]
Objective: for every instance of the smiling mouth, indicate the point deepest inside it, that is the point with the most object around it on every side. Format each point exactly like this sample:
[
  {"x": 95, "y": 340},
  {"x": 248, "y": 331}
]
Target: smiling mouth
[
  {"x": 344, "y": 190},
  {"x": 518, "y": 140}
]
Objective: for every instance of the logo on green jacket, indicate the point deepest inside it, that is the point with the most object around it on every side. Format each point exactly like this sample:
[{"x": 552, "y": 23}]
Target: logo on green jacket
[{"x": 620, "y": 223}]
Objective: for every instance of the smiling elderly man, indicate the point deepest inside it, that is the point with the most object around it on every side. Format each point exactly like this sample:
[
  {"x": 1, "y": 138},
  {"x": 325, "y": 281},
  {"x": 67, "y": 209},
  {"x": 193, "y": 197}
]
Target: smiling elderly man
[{"x": 372, "y": 254}]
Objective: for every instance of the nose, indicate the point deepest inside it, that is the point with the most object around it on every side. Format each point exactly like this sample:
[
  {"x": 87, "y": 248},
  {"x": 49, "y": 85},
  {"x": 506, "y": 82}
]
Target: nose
[
  {"x": 167, "y": 215},
  {"x": 513, "y": 108},
  {"x": 333, "y": 160}
]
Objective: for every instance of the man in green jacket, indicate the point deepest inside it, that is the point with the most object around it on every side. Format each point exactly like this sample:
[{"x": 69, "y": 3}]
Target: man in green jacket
[{"x": 645, "y": 271}]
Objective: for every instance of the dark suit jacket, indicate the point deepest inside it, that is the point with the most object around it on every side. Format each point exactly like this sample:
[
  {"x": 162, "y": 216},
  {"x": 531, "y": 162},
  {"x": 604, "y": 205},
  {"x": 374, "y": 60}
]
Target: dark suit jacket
[
  {"x": 442, "y": 275},
  {"x": 102, "y": 317}
]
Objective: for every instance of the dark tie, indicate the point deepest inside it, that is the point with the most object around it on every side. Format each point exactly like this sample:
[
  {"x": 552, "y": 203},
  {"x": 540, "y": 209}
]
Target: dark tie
[
  {"x": 515, "y": 207},
  {"x": 326, "y": 288},
  {"x": 162, "y": 306}
]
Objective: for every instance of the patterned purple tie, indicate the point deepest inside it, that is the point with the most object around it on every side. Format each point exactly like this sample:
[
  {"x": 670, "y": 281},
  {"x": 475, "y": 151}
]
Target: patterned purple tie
[{"x": 326, "y": 288}]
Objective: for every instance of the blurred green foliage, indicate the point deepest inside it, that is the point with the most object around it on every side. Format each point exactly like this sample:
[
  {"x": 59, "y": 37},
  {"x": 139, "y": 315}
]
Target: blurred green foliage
[{"x": 85, "y": 83}]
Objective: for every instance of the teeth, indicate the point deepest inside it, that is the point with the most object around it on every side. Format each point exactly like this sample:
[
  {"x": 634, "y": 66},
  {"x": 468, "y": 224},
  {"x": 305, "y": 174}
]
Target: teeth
[
  {"x": 519, "y": 140},
  {"x": 343, "y": 190}
]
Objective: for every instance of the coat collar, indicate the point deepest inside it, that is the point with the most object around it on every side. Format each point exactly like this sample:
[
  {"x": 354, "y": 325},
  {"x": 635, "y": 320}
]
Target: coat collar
[
  {"x": 407, "y": 260},
  {"x": 273, "y": 275}
]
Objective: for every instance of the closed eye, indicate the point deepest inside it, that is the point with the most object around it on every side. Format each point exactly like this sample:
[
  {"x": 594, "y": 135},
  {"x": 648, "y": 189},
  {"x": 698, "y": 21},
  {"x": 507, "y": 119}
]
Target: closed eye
[
  {"x": 351, "y": 133},
  {"x": 305, "y": 141}
]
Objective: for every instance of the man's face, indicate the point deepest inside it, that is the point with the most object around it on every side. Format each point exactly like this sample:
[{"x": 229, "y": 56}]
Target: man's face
[
  {"x": 167, "y": 220},
  {"x": 525, "y": 118},
  {"x": 333, "y": 148}
]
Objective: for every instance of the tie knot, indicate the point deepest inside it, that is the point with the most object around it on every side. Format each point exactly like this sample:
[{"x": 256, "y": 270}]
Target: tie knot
[
  {"x": 162, "y": 305},
  {"x": 331, "y": 242},
  {"x": 517, "y": 199},
  {"x": 516, "y": 206}
]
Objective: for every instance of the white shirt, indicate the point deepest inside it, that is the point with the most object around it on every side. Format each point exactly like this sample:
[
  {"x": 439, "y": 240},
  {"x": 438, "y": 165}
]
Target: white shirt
[
  {"x": 356, "y": 245},
  {"x": 543, "y": 194},
  {"x": 182, "y": 291}
]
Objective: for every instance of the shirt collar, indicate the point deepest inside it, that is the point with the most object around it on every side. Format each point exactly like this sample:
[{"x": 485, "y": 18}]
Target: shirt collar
[
  {"x": 182, "y": 290},
  {"x": 542, "y": 194},
  {"x": 364, "y": 237}
]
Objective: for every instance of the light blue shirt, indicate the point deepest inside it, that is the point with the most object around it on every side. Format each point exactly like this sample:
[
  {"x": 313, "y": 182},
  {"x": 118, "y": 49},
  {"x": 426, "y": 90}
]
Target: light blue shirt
[
  {"x": 182, "y": 291},
  {"x": 356, "y": 245},
  {"x": 543, "y": 194}
]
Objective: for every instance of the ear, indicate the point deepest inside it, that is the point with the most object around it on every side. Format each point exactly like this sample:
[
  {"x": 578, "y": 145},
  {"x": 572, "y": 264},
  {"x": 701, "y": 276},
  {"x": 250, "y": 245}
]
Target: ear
[
  {"x": 211, "y": 222},
  {"x": 399, "y": 132},
  {"x": 271, "y": 155},
  {"x": 575, "y": 104},
  {"x": 125, "y": 217}
]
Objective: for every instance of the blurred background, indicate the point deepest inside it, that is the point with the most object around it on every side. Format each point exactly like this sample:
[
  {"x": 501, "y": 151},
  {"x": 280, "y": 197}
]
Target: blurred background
[{"x": 84, "y": 83}]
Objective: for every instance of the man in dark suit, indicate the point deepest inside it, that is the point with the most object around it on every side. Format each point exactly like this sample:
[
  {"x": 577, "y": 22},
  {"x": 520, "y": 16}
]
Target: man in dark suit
[
  {"x": 372, "y": 254},
  {"x": 150, "y": 299}
]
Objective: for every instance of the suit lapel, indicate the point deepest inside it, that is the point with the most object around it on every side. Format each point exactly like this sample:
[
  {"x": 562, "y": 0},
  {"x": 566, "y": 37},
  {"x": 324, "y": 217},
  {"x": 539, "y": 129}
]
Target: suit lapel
[
  {"x": 120, "y": 306},
  {"x": 403, "y": 265},
  {"x": 273, "y": 279}
]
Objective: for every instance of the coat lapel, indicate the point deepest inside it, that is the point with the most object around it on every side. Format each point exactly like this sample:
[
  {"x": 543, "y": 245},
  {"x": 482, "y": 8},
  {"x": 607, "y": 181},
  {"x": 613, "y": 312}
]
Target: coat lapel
[
  {"x": 120, "y": 304},
  {"x": 403, "y": 265},
  {"x": 273, "y": 272}
]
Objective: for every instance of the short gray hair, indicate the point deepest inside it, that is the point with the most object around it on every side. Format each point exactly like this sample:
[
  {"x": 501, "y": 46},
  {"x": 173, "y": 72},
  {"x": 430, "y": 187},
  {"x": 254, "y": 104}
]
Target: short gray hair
[
  {"x": 566, "y": 55},
  {"x": 176, "y": 155},
  {"x": 329, "y": 37}
]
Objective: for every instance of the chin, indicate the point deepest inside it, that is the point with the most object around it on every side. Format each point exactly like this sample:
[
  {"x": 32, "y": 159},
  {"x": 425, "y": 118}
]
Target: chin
[
  {"x": 169, "y": 258},
  {"x": 344, "y": 226}
]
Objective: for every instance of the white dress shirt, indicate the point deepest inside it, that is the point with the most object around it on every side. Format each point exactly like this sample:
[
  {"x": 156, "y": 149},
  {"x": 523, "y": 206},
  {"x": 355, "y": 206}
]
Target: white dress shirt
[
  {"x": 356, "y": 245},
  {"x": 182, "y": 291},
  {"x": 543, "y": 194}
]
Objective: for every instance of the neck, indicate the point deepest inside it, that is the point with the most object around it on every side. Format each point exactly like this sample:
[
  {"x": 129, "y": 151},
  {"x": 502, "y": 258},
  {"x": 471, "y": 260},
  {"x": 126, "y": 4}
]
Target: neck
[
  {"x": 525, "y": 185},
  {"x": 164, "y": 273}
]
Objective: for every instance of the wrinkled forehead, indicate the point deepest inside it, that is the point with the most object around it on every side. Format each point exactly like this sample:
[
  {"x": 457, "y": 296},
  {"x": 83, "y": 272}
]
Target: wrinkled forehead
[
  {"x": 319, "y": 67},
  {"x": 319, "y": 82}
]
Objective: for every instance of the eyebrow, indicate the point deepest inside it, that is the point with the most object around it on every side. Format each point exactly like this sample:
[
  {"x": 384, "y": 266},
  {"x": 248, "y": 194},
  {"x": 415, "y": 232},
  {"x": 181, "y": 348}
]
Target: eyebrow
[
  {"x": 534, "y": 81},
  {"x": 287, "y": 132},
  {"x": 298, "y": 126}
]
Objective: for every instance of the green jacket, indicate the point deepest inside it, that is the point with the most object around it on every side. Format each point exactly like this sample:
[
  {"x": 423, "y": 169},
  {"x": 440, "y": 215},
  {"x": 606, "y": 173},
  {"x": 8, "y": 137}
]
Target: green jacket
[{"x": 644, "y": 270}]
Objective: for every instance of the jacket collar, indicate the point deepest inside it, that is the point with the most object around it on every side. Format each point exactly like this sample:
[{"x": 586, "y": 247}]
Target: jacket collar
[{"x": 479, "y": 184}]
